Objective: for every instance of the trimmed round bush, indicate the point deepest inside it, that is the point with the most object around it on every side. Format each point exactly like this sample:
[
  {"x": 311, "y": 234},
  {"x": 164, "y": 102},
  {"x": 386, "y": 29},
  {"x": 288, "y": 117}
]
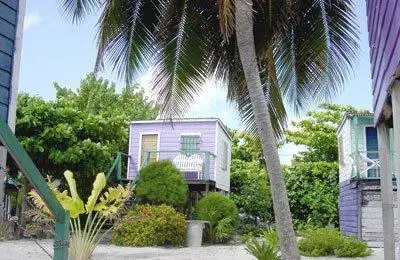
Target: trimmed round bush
[
  {"x": 150, "y": 226},
  {"x": 222, "y": 214},
  {"x": 162, "y": 183}
]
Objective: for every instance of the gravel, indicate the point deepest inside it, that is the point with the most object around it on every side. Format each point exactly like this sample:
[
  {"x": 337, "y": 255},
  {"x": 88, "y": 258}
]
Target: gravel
[{"x": 26, "y": 249}]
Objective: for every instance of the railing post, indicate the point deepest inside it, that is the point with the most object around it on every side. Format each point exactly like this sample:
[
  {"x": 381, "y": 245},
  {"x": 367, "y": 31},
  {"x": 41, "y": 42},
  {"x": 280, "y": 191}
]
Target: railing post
[
  {"x": 207, "y": 166},
  {"x": 61, "y": 239},
  {"x": 119, "y": 168},
  {"x": 147, "y": 158}
]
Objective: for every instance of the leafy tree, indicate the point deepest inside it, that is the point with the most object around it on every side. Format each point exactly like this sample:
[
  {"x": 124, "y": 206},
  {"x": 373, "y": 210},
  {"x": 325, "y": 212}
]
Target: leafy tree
[
  {"x": 249, "y": 182},
  {"x": 312, "y": 178},
  {"x": 318, "y": 132},
  {"x": 79, "y": 130},
  {"x": 162, "y": 183},
  {"x": 250, "y": 190},
  {"x": 299, "y": 50},
  {"x": 313, "y": 193}
]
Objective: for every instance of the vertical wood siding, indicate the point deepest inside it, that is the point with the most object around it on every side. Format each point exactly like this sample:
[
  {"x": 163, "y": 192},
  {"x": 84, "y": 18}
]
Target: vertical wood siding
[
  {"x": 8, "y": 24},
  {"x": 384, "y": 34}
]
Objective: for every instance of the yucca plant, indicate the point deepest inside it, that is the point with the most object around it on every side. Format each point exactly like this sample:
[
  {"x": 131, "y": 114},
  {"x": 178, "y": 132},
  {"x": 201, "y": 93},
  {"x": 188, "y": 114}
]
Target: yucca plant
[
  {"x": 266, "y": 247},
  {"x": 85, "y": 238}
]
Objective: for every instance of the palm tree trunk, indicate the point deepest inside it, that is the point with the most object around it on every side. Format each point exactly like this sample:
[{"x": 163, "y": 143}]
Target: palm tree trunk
[{"x": 246, "y": 46}]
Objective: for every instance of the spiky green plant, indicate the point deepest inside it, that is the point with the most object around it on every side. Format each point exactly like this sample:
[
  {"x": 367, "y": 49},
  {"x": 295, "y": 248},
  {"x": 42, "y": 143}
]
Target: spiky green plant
[
  {"x": 266, "y": 247},
  {"x": 85, "y": 238}
]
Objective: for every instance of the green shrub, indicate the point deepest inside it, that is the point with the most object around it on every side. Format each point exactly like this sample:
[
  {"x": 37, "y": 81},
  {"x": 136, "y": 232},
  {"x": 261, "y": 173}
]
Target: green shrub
[
  {"x": 329, "y": 241},
  {"x": 351, "y": 247},
  {"x": 222, "y": 214},
  {"x": 162, "y": 183},
  {"x": 150, "y": 226},
  {"x": 265, "y": 247}
]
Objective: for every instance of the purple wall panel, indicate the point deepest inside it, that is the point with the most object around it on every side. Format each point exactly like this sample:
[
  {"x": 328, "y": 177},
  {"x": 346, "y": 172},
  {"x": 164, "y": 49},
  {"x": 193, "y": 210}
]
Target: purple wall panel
[
  {"x": 384, "y": 32},
  {"x": 170, "y": 139},
  {"x": 349, "y": 207}
]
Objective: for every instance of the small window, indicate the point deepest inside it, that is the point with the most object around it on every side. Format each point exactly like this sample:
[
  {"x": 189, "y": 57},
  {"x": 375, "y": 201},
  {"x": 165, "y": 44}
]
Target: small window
[
  {"x": 225, "y": 156},
  {"x": 190, "y": 143}
]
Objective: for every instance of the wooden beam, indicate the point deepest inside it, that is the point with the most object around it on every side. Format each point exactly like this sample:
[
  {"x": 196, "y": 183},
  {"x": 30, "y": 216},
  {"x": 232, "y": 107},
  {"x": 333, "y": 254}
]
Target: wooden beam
[
  {"x": 386, "y": 192},
  {"x": 396, "y": 145}
]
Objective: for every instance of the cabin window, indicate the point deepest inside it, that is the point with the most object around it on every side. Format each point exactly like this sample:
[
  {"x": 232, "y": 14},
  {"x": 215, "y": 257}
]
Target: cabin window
[
  {"x": 225, "y": 157},
  {"x": 190, "y": 143},
  {"x": 371, "y": 145}
]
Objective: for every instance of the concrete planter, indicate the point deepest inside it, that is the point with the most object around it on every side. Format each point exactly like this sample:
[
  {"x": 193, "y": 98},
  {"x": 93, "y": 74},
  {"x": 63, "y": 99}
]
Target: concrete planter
[{"x": 194, "y": 232}]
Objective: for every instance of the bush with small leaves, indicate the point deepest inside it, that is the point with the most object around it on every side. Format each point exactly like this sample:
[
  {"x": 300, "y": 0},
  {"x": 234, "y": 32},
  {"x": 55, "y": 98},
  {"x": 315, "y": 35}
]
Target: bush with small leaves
[
  {"x": 150, "y": 226},
  {"x": 162, "y": 183},
  {"x": 329, "y": 241},
  {"x": 351, "y": 247}
]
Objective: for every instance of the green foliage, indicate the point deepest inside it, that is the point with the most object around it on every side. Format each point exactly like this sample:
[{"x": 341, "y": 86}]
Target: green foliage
[
  {"x": 265, "y": 247},
  {"x": 312, "y": 178},
  {"x": 313, "y": 192},
  {"x": 320, "y": 241},
  {"x": 351, "y": 247},
  {"x": 221, "y": 213},
  {"x": 318, "y": 132},
  {"x": 162, "y": 183},
  {"x": 329, "y": 241},
  {"x": 79, "y": 130},
  {"x": 106, "y": 207},
  {"x": 249, "y": 181},
  {"x": 150, "y": 226}
]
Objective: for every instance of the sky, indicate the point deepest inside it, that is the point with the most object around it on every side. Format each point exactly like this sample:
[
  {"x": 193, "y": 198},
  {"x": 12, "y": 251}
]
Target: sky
[{"x": 54, "y": 50}]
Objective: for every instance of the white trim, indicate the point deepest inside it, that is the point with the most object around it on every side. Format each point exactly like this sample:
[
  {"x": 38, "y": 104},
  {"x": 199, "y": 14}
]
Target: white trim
[
  {"x": 140, "y": 144},
  {"x": 190, "y": 134},
  {"x": 129, "y": 151},
  {"x": 12, "y": 106},
  {"x": 177, "y": 120},
  {"x": 189, "y": 120}
]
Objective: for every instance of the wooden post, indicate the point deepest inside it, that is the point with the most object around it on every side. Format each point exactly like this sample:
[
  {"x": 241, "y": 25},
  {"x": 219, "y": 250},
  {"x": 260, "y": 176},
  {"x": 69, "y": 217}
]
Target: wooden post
[
  {"x": 396, "y": 146},
  {"x": 386, "y": 192}
]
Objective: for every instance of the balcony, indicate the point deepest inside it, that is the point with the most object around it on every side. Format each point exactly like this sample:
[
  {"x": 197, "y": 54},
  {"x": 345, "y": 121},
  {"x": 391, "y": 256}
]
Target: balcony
[
  {"x": 196, "y": 165},
  {"x": 366, "y": 165}
]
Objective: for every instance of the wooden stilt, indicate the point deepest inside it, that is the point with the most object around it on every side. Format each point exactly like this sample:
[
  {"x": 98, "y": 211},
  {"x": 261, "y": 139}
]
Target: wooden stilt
[
  {"x": 386, "y": 192},
  {"x": 396, "y": 146}
]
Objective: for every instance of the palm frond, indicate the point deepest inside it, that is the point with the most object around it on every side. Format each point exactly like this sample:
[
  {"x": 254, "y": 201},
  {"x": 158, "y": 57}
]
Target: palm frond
[
  {"x": 226, "y": 17},
  {"x": 181, "y": 62},
  {"x": 315, "y": 56},
  {"x": 125, "y": 37},
  {"x": 76, "y": 10}
]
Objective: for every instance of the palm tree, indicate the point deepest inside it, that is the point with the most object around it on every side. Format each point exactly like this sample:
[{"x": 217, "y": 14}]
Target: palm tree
[{"x": 297, "y": 51}]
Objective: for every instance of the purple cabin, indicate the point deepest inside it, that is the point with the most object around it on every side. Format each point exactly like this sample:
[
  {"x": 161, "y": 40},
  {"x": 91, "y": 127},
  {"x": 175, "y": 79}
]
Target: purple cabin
[{"x": 199, "y": 147}]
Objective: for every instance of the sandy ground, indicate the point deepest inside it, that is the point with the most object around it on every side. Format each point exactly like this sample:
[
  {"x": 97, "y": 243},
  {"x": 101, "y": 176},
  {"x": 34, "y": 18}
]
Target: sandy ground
[{"x": 25, "y": 249}]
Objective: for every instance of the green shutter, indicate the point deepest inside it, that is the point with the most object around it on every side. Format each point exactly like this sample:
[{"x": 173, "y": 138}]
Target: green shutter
[{"x": 190, "y": 143}]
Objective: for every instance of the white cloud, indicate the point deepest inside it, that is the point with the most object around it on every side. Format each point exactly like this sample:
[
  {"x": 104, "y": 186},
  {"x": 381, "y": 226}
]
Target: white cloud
[{"x": 32, "y": 19}]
